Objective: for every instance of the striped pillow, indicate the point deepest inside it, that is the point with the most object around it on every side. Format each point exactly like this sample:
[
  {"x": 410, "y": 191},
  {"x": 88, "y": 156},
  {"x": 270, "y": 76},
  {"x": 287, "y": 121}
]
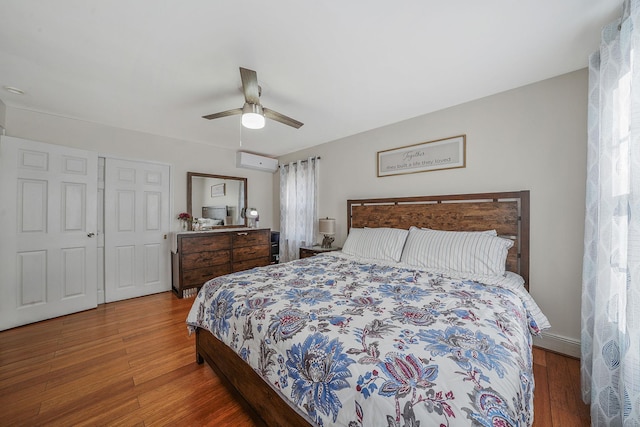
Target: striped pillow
[
  {"x": 461, "y": 251},
  {"x": 376, "y": 243},
  {"x": 489, "y": 232}
]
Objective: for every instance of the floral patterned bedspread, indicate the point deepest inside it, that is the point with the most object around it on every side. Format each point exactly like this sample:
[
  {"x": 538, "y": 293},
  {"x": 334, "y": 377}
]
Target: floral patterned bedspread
[{"x": 360, "y": 344}]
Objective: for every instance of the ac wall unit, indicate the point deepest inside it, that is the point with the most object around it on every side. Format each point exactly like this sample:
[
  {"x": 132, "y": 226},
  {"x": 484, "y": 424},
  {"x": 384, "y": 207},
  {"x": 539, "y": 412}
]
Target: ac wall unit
[{"x": 255, "y": 161}]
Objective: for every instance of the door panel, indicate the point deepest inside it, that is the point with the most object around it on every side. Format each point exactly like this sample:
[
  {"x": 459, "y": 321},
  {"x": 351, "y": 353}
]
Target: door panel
[
  {"x": 153, "y": 210},
  {"x": 32, "y": 206},
  {"x": 126, "y": 213},
  {"x": 75, "y": 165},
  {"x": 152, "y": 270},
  {"x": 136, "y": 226},
  {"x": 73, "y": 260},
  {"x": 32, "y": 278},
  {"x": 47, "y": 217},
  {"x": 125, "y": 265},
  {"x": 73, "y": 201}
]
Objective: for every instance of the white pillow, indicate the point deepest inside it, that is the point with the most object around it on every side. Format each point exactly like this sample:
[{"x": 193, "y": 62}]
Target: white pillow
[
  {"x": 376, "y": 243},
  {"x": 461, "y": 251}
]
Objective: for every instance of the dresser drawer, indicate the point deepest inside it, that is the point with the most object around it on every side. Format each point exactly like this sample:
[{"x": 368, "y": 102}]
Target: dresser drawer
[
  {"x": 210, "y": 242},
  {"x": 205, "y": 259},
  {"x": 246, "y": 265},
  {"x": 251, "y": 252},
  {"x": 251, "y": 238},
  {"x": 198, "y": 276},
  {"x": 306, "y": 253}
]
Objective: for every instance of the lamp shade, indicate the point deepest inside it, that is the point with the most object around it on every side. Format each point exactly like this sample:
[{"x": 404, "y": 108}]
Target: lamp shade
[{"x": 327, "y": 226}]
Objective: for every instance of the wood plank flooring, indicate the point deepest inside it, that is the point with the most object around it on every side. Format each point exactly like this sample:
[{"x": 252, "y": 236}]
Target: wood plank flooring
[{"x": 132, "y": 363}]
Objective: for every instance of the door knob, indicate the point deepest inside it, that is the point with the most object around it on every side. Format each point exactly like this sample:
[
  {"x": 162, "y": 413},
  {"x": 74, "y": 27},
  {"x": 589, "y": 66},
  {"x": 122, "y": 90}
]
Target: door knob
[{"x": 91, "y": 234}]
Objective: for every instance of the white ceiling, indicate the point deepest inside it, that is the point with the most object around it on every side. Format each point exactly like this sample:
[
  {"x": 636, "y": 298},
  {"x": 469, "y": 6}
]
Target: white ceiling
[{"x": 341, "y": 67}]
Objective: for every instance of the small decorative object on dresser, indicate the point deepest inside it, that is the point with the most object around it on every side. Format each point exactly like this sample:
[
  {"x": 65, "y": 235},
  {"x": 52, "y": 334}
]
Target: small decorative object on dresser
[
  {"x": 252, "y": 216},
  {"x": 185, "y": 219},
  {"x": 308, "y": 251}
]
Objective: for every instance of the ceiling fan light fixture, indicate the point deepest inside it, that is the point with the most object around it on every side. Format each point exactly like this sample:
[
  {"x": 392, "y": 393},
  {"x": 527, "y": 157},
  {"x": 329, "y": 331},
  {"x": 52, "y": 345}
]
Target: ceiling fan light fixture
[{"x": 252, "y": 116}]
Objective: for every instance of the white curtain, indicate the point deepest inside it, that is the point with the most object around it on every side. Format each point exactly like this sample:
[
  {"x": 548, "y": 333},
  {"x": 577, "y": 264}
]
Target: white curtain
[
  {"x": 610, "y": 367},
  {"x": 298, "y": 206}
]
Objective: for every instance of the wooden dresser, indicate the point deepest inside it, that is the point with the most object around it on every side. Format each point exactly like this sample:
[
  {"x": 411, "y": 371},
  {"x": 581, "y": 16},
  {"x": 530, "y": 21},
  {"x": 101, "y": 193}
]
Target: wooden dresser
[{"x": 203, "y": 255}]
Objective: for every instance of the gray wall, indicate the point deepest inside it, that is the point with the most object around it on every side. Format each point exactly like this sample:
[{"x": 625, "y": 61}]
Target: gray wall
[
  {"x": 530, "y": 138},
  {"x": 3, "y": 115}
]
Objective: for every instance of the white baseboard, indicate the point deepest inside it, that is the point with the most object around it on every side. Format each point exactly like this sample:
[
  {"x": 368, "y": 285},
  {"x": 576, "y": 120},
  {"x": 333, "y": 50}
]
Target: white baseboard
[{"x": 558, "y": 343}]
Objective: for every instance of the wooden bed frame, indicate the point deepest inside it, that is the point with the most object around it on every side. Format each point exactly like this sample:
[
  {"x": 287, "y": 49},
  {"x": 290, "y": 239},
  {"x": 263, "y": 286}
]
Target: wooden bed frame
[{"x": 506, "y": 212}]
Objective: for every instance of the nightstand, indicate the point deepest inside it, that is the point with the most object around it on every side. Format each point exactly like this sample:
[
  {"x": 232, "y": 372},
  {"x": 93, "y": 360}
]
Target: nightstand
[{"x": 308, "y": 251}]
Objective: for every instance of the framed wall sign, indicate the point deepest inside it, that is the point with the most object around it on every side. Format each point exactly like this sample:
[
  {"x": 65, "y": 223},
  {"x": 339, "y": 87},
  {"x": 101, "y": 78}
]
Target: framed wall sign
[
  {"x": 448, "y": 153},
  {"x": 218, "y": 190}
]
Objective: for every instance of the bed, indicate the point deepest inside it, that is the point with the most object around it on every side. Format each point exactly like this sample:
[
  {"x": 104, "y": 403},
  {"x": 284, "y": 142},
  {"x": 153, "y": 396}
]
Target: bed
[{"x": 389, "y": 331}]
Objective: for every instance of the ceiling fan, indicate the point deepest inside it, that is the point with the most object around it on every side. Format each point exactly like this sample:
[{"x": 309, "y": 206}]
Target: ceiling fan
[{"x": 253, "y": 113}]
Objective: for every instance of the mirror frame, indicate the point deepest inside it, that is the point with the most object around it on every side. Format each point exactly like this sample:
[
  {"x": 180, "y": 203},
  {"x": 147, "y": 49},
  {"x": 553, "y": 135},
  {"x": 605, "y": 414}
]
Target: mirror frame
[{"x": 191, "y": 175}]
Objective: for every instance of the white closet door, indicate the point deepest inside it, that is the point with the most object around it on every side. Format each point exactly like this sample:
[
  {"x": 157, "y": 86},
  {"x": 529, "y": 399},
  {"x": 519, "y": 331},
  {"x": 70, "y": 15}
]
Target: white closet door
[
  {"x": 136, "y": 223},
  {"x": 47, "y": 228}
]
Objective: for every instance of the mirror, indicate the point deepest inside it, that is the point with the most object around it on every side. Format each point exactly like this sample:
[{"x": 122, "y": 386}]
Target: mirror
[{"x": 216, "y": 200}]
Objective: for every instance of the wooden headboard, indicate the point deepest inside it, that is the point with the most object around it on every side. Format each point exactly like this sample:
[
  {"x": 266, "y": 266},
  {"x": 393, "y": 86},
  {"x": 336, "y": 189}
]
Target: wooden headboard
[{"x": 505, "y": 212}]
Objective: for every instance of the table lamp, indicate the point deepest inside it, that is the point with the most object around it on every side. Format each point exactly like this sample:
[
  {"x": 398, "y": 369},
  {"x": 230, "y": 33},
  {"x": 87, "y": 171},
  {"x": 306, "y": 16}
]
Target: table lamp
[
  {"x": 327, "y": 227},
  {"x": 252, "y": 216}
]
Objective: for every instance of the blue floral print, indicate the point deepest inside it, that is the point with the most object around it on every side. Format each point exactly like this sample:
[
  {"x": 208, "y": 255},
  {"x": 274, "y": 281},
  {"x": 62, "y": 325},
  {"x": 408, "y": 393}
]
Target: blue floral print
[
  {"x": 356, "y": 344},
  {"x": 318, "y": 368}
]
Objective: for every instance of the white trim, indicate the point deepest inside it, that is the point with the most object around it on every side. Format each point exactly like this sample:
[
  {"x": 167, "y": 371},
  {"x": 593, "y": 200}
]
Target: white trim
[{"x": 559, "y": 344}]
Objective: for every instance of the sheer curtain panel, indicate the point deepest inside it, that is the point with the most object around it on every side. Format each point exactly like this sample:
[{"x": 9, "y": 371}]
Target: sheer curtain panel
[
  {"x": 610, "y": 339},
  {"x": 298, "y": 206}
]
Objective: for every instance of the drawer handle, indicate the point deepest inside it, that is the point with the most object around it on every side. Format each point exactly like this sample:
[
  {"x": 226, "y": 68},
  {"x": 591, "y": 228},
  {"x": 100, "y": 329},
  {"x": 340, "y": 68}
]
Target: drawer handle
[{"x": 243, "y": 234}]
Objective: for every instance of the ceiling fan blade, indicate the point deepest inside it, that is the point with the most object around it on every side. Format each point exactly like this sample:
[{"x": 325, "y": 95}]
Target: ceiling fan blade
[
  {"x": 250, "y": 86},
  {"x": 223, "y": 114},
  {"x": 274, "y": 115}
]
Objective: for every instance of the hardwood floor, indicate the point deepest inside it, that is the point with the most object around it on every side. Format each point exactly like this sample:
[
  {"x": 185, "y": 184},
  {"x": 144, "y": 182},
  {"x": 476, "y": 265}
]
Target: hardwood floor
[
  {"x": 557, "y": 400},
  {"x": 132, "y": 363}
]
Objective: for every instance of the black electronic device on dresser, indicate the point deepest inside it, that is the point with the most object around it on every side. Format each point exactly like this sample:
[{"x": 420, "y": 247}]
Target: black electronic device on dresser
[{"x": 275, "y": 247}]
